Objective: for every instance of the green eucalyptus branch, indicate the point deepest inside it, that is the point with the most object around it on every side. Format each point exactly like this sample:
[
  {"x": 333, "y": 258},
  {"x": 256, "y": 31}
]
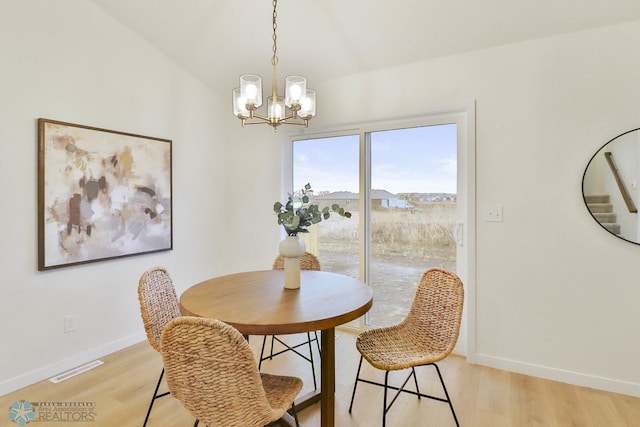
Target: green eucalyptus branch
[{"x": 296, "y": 219}]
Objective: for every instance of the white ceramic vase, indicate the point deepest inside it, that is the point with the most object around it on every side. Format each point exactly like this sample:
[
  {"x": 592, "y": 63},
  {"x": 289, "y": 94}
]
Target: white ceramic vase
[{"x": 292, "y": 248}]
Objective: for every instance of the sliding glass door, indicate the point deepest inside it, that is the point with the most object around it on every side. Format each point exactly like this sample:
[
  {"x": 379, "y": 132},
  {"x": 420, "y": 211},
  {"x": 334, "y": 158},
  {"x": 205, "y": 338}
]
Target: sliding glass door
[{"x": 401, "y": 186}]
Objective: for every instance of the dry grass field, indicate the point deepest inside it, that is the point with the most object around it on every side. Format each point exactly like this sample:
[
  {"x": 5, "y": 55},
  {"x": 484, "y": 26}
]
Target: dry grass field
[{"x": 404, "y": 244}]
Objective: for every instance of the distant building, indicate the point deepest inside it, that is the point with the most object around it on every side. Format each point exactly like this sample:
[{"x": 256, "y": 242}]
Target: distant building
[
  {"x": 349, "y": 200},
  {"x": 345, "y": 199},
  {"x": 384, "y": 199},
  {"x": 429, "y": 197}
]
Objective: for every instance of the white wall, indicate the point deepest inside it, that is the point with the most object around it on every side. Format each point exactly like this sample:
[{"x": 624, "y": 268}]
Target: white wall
[
  {"x": 255, "y": 185},
  {"x": 557, "y": 296},
  {"x": 70, "y": 61}
]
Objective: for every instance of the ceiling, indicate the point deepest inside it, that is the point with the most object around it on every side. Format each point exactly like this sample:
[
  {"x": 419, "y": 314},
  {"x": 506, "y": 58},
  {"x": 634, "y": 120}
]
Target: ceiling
[{"x": 218, "y": 40}]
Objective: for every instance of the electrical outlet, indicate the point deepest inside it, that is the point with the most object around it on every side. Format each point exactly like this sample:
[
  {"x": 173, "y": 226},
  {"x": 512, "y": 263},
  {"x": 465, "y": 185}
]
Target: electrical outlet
[{"x": 70, "y": 323}]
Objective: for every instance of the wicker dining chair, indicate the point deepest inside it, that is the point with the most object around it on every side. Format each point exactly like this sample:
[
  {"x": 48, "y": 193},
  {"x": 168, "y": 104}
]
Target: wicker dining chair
[
  {"x": 158, "y": 305},
  {"x": 211, "y": 369},
  {"x": 308, "y": 261},
  {"x": 425, "y": 336}
]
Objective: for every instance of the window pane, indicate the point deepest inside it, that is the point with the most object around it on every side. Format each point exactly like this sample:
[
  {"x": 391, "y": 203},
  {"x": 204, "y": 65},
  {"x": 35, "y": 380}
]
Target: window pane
[
  {"x": 330, "y": 165},
  {"x": 413, "y": 213}
]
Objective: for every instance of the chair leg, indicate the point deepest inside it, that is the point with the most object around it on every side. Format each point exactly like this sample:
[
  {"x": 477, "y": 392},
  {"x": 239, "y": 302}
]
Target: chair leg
[
  {"x": 293, "y": 348},
  {"x": 447, "y": 394},
  {"x": 273, "y": 340},
  {"x": 384, "y": 404},
  {"x": 313, "y": 369},
  {"x": 355, "y": 385},
  {"x": 315, "y": 333},
  {"x": 402, "y": 389},
  {"x": 295, "y": 413},
  {"x": 155, "y": 396},
  {"x": 264, "y": 341},
  {"x": 415, "y": 378}
]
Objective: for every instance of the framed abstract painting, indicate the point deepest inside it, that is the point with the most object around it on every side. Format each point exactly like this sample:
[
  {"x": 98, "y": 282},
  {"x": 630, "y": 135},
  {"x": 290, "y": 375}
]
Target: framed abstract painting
[{"x": 102, "y": 194}]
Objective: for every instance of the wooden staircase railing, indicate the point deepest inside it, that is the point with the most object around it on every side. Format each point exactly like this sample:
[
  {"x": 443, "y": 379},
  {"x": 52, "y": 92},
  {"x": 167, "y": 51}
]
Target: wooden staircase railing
[{"x": 623, "y": 189}]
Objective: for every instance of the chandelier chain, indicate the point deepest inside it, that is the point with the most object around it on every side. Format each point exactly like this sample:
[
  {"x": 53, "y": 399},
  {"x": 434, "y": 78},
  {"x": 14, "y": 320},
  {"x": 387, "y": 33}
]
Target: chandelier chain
[{"x": 274, "y": 59}]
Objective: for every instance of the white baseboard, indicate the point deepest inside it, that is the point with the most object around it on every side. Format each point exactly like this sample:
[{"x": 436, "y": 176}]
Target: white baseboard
[
  {"x": 26, "y": 379},
  {"x": 561, "y": 375}
]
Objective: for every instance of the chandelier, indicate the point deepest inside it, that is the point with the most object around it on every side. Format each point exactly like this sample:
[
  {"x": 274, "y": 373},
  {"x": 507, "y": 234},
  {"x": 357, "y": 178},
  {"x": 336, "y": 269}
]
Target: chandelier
[{"x": 297, "y": 106}]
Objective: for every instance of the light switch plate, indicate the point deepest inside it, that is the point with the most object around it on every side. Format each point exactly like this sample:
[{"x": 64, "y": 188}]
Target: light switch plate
[{"x": 493, "y": 213}]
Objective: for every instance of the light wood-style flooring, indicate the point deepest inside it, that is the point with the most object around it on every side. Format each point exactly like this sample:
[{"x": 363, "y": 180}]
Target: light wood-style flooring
[{"x": 122, "y": 387}]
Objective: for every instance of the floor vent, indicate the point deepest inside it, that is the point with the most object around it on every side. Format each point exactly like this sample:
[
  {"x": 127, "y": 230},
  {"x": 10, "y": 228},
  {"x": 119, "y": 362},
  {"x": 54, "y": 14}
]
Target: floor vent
[{"x": 75, "y": 371}]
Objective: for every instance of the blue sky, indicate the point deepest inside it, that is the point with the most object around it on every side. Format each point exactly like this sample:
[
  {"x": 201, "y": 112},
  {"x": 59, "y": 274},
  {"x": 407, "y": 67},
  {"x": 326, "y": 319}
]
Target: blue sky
[{"x": 420, "y": 160}]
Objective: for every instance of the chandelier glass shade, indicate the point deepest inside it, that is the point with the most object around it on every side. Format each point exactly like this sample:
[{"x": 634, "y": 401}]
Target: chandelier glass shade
[{"x": 296, "y": 107}]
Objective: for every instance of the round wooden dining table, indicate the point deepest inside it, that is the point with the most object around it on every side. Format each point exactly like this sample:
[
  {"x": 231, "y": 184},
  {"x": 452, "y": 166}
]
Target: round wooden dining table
[{"x": 257, "y": 303}]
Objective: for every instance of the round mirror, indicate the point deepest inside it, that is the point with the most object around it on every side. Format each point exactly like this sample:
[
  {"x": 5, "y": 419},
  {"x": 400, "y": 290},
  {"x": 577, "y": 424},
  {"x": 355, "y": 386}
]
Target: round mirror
[{"x": 610, "y": 186}]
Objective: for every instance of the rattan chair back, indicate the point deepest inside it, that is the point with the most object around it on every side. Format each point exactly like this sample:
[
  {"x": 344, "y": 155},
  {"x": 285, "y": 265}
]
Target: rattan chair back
[
  {"x": 211, "y": 369},
  {"x": 158, "y": 303},
  {"x": 427, "y": 334},
  {"x": 436, "y": 311},
  {"x": 308, "y": 261}
]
